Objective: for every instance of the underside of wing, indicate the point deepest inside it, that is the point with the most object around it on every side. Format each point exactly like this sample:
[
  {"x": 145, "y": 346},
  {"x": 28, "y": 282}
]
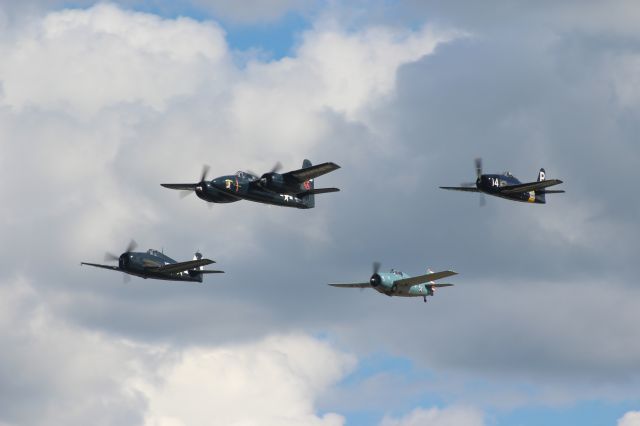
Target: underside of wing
[
  {"x": 302, "y": 175},
  {"x": 552, "y": 191},
  {"x": 174, "y": 268},
  {"x": 530, "y": 186},
  {"x": 420, "y": 279},
  {"x": 352, "y": 285},
  {"x": 97, "y": 265},
  {"x": 460, "y": 188},
  {"x": 180, "y": 186},
  {"x": 211, "y": 271},
  {"x": 440, "y": 285}
]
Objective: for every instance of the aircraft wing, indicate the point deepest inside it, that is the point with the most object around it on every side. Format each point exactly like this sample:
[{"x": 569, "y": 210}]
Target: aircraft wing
[
  {"x": 352, "y": 285},
  {"x": 209, "y": 271},
  {"x": 181, "y": 186},
  {"x": 420, "y": 279},
  {"x": 302, "y": 175},
  {"x": 461, "y": 188},
  {"x": 113, "y": 268},
  {"x": 174, "y": 268},
  {"x": 318, "y": 191},
  {"x": 531, "y": 186}
]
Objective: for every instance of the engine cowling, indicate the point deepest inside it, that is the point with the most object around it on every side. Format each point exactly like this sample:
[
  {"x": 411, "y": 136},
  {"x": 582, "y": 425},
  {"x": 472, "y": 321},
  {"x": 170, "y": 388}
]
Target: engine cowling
[
  {"x": 272, "y": 182},
  {"x": 375, "y": 280}
]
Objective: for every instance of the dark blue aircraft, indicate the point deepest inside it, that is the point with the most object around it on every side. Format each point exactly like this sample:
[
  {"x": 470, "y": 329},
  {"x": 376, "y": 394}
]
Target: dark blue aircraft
[
  {"x": 508, "y": 186},
  {"x": 157, "y": 265},
  {"x": 292, "y": 189}
]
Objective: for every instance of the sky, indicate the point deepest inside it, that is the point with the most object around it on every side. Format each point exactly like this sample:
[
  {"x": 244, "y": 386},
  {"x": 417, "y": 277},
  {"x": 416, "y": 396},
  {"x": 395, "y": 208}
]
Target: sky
[{"x": 100, "y": 102}]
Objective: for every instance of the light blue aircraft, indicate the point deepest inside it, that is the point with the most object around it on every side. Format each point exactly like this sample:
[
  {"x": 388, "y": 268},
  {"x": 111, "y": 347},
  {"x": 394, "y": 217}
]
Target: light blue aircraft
[{"x": 396, "y": 283}]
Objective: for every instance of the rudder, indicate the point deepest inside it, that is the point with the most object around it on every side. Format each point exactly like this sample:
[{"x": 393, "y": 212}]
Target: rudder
[
  {"x": 540, "y": 198},
  {"x": 309, "y": 199}
]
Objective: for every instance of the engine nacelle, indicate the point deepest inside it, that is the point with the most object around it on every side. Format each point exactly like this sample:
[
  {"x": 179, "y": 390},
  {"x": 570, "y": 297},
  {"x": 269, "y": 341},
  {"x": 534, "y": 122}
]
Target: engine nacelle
[{"x": 275, "y": 182}]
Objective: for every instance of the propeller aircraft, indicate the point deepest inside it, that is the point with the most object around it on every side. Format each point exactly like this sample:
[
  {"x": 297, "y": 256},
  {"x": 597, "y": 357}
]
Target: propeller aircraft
[
  {"x": 291, "y": 189},
  {"x": 396, "y": 283},
  {"x": 156, "y": 265},
  {"x": 508, "y": 186}
]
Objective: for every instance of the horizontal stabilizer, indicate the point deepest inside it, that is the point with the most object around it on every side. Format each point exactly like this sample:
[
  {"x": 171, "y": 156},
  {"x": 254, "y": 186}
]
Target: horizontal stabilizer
[
  {"x": 180, "y": 186},
  {"x": 318, "y": 191},
  {"x": 352, "y": 285},
  {"x": 461, "y": 188},
  {"x": 420, "y": 279},
  {"x": 113, "y": 268},
  {"x": 174, "y": 268},
  {"x": 302, "y": 175},
  {"x": 530, "y": 186}
]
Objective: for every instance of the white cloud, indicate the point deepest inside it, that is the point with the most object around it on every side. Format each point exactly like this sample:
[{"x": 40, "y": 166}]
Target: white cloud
[
  {"x": 53, "y": 372},
  {"x": 57, "y": 373},
  {"x": 274, "y": 381},
  {"x": 106, "y": 103},
  {"x": 85, "y": 60},
  {"x": 632, "y": 418},
  {"x": 451, "y": 416}
]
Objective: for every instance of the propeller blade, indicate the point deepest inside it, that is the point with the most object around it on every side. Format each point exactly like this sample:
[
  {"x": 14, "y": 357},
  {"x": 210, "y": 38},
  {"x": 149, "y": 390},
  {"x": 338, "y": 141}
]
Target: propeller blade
[
  {"x": 126, "y": 278},
  {"x": 276, "y": 167},
  {"x": 376, "y": 267},
  {"x": 478, "y": 167},
  {"x": 205, "y": 172},
  {"x": 185, "y": 193},
  {"x": 110, "y": 256},
  {"x": 468, "y": 184},
  {"x": 483, "y": 200},
  {"x": 132, "y": 246}
]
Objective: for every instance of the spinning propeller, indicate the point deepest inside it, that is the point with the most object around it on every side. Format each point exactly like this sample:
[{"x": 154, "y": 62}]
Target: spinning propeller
[
  {"x": 478, "y": 163},
  {"x": 375, "y": 279},
  {"x": 267, "y": 177},
  {"x": 112, "y": 257}
]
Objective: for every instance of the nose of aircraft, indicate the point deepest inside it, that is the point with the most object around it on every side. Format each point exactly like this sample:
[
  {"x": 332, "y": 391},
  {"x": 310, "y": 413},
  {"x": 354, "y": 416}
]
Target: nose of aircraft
[
  {"x": 375, "y": 280},
  {"x": 218, "y": 182}
]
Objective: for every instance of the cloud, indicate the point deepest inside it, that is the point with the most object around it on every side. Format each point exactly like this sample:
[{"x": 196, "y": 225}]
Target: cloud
[
  {"x": 254, "y": 11},
  {"x": 86, "y": 60},
  {"x": 274, "y": 381},
  {"x": 452, "y": 416},
  {"x": 100, "y": 105},
  {"x": 632, "y": 418},
  {"x": 68, "y": 374},
  {"x": 60, "y": 372}
]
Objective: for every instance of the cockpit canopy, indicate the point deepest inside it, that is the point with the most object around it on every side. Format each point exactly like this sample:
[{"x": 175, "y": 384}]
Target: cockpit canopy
[
  {"x": 395, "y": 271},
  {"x": 508, "y": 173},
  {"x": 154, "y": 252},
  {"x": 245, "y": 175}
]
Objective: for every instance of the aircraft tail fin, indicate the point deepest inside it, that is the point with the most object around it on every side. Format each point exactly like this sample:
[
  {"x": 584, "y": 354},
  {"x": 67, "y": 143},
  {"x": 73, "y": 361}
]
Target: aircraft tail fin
[
  {"x": 540, "y": 195},
  {"x": 309, "y": 199}
]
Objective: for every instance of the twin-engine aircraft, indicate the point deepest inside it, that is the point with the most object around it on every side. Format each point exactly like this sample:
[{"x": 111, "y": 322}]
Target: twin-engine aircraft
[
  {"x": 157, "y": 265},
  {"x": 291, "y": 189},
  {"x": 396, "y": 283},
  {"x": 507, "y": 186}
]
